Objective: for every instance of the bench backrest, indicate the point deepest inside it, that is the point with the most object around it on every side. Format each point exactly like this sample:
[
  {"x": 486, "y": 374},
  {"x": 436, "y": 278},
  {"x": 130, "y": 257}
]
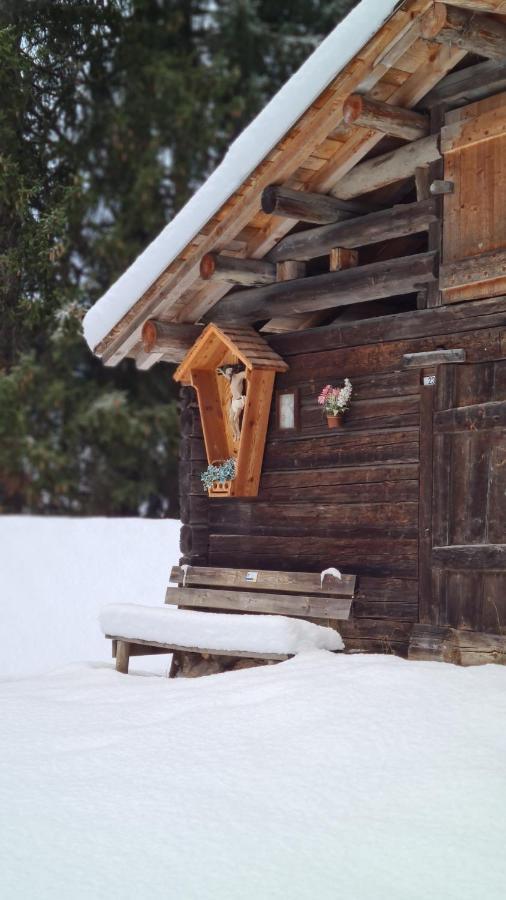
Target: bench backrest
[{"x": 280, "y": 593}]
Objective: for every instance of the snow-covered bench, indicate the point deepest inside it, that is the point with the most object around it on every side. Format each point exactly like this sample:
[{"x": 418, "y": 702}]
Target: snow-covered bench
[{"x": 139, "y": 630}]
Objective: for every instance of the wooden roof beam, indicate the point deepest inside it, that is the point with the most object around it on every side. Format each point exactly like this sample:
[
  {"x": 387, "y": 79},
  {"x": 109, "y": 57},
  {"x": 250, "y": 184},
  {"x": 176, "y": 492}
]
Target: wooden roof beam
[
  {"x": 388, "y": 278},
  {"x": 305, "y": 206},
  {"x": 408, "y": 218},
  {"x": 388, "y": 168},
  {"x": 476, "y": 33},
  {"x": 468, "y": 85},
  {"x": 171, "y": 338},
  {"x": 393, "y": 120},
  {"x": 230, "y": 269}
]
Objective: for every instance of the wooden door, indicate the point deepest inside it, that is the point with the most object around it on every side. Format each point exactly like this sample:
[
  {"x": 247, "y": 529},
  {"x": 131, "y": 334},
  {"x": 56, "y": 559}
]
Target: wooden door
[
  {"x": 469, "y": 497},
  {"x": 473, "y": 144}
]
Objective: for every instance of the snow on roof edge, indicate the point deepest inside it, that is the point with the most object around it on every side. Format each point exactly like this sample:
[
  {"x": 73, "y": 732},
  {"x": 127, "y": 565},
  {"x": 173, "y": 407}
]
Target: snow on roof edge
[{"x": 243, "y": 156}]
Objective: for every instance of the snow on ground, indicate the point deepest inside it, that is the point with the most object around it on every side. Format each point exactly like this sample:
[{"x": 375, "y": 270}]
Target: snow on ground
[
  {"x": 327, "y": 776},
  {"x": 56, "y": 574}
]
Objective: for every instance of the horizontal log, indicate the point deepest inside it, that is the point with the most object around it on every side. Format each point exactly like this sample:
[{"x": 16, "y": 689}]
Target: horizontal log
[
  {"x": 388, "y": 278},
  {"x": 378, "y": 116},
  {"x": 365, "y": 556},
  {"x": 401, "y": 220},
  {"x": 468, "y": 85},
  {"x": 458, "y": 557},
  {"x": 232, "y": 270},
  {"x": 433, "y": 358},
  {"x": 248, "y": 601},
  {"x": 171, "y": 338},
  {"x": 477, "y": 417},
  {"x": 472, "y": 316},
  {"x": 387, "y": 168},
  {"x": 473, "y": 269},
  {"x": 476, "y": 33},
  {"x": 440, "y": 643},
  {"x": 304, "y": 206}
]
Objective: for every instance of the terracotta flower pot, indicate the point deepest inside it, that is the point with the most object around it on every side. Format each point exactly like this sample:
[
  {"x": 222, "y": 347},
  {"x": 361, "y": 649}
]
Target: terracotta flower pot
[{"x": 335, "y": 421}]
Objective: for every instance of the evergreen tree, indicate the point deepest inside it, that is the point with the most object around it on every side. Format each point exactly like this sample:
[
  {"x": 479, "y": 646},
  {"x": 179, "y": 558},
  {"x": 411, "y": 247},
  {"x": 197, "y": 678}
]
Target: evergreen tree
[{"x": 112, "y": 114}]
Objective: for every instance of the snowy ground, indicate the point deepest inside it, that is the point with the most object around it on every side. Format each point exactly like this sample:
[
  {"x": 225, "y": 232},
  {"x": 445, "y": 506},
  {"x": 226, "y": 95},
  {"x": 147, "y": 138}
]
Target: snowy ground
[{"x": 362, "y": 778}]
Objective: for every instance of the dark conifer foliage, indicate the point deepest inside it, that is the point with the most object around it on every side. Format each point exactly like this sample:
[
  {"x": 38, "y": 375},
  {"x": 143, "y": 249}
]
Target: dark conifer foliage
[{"x": 111, "y": 115}]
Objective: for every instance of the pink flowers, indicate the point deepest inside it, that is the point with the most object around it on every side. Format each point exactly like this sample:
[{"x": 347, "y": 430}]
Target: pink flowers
[{"x": 336, "y": 400}]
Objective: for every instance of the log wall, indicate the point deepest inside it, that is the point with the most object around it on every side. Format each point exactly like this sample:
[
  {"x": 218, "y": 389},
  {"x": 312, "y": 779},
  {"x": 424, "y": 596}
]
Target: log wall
[{"x": 346, "y": 497}]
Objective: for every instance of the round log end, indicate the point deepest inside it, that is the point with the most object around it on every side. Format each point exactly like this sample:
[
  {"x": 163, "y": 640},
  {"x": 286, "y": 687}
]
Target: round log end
[
  {"x": 269, "y": 195},
  {"x": 352, "y": 108},
  {"x": 207, "y": 266},
  {"x": 148, "y": 336}
]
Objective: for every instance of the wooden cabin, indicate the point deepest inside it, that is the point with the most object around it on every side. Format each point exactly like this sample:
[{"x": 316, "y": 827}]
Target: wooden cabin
[{"x": 356, "y": 229}]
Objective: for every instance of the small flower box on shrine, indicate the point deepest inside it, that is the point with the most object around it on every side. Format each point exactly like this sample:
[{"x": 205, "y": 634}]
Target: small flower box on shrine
[{"x": 233, "y": 371}]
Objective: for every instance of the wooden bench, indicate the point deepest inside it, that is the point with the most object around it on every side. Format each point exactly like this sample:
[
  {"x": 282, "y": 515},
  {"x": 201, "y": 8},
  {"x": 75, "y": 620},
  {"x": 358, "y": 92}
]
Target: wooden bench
[{"x": 296, "y": 594}]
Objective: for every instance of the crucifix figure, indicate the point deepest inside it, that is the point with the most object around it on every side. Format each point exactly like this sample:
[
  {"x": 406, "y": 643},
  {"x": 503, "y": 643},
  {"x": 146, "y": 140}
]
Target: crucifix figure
[{"x": 236, "y": 376}]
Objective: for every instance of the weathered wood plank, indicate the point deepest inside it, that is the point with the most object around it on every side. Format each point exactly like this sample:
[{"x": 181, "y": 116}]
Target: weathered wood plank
[
  {"x": 478, "y": 417},
  {"x": 474, "y": 270},
  {"x": 427, "y": 609},
  {"x": 317, "y": 518},
  {"x": 249, "y": 601},
  {"x": 432, "y": 358},
  {"x": 371, "y": 282},
  {"x": 480, "y": 346},
  {"x": 176, "y": 648},
  {"x": 470, "y": 556},
  {"x": 468, "y": 85},
  {"x": 266, "y": 580},
  {"x": 458, "y": 646},
  {"x": 407, "y": 218},
  {"x": 470, "y": 316},
  {"x": 363, "y": 556}
]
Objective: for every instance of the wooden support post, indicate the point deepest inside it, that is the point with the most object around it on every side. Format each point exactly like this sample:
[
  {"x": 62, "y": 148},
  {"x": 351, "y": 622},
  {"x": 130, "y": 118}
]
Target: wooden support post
[
  {"x": 214, "y": 267},
  {"x": 290, "y": 269},
  {"x": 401, "y": 220},
  {"x": 476, "y": 33},
  {"x": 388, "y": 278},
  {"x": 388, "y": 168},
  {"x": 122, "y": 656},
  {"x": 394, "y": 120},
  {"x": 342, "y": 258},
  {"x": 318, "y": 209}
]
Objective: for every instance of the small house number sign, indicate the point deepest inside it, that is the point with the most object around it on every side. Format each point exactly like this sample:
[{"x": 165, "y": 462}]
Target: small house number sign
[{"x": 429, "y": 380}]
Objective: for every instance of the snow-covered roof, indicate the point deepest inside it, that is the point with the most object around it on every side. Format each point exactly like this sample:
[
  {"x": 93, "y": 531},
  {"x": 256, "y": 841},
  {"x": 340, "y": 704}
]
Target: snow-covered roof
[{"x": 244, "y": 155}]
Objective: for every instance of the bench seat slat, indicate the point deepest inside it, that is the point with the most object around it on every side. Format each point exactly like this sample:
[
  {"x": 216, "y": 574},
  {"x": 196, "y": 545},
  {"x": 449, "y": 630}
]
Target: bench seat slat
[
  {"x": 246, "y": 601},
  {"x": 290, "y": 582},
  {"x": 171, "y": 648}
]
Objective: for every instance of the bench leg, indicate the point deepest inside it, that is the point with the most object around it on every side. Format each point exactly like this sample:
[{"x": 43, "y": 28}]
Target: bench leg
[{"x": 122, "y": 657}]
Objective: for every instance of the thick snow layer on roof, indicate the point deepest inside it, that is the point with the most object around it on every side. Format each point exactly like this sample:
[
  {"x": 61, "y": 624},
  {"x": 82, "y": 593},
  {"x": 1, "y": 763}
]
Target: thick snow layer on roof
[
  {"x": 250, "y": 148},
  {"x": 216, "y": 631}
]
